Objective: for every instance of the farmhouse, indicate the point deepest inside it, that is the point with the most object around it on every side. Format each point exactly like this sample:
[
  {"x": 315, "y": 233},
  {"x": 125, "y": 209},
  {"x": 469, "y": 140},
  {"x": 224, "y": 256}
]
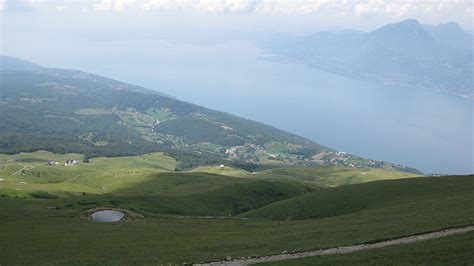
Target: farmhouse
[
  {"x": 70, "y": 162},
  {"x": 52, "y": 163}
]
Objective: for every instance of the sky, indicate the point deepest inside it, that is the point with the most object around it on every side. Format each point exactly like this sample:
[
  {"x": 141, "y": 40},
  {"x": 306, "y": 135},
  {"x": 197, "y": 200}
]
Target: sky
[
  {"x": 38, "y": 30},
  {"x": 274, "y": 15},
  {"x": 201, "y": 51}
]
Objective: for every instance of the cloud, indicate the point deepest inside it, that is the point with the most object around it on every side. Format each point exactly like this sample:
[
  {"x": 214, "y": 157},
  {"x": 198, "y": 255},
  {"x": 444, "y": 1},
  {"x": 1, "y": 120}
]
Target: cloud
[
  {"x": 17, "y": 5},
  {"x": 228, "y": 6},
  {"x": 61, "y": 8},
  {"x": 396, "y": 8},
  {"x": 168, "y": 5},
  {"x": 115, "y": 5},
  {"x": 211, "y": 6}
]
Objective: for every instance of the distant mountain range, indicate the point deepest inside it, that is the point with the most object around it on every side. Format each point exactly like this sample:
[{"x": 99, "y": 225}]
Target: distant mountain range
[
  {"x": 72, "y": 111},
  {"x": 404, "y": 53}
]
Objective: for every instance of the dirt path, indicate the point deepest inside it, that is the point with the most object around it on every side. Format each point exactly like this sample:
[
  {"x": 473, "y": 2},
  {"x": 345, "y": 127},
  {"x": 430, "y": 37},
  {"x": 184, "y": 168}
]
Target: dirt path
[{"x": 348, "y": 249}]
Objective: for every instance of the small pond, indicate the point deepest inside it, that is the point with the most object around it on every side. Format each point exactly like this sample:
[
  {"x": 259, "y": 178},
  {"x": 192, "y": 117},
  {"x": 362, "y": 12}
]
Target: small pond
[{"x": 107, "y": 216}]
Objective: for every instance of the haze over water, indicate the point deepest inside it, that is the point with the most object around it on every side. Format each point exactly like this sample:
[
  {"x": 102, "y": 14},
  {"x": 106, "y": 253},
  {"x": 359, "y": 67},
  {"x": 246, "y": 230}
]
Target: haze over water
[
  {"x": 424, "y": 129},
  {"x": 427, "y": 130}
]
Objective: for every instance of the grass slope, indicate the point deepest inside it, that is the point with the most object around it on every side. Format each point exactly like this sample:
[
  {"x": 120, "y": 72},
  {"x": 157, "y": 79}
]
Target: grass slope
[
  {"x": 452, "y": 250},
  {"x": 397, "y": 194},
  {"x": 226, "y": 170},
  {"x": 202, "y": 194},
  {"x": 34, "y": 233},
  {"x": 332, "y": 176},
  {"x": 27, "y": 174}
]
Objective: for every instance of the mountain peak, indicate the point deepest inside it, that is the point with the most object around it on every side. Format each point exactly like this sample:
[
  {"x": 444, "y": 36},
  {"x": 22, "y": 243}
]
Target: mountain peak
[
  {"x": 452, "y": 35},
  {"x": 452, "y": 27},
  {"x": 404, "y": 37},
  {"x": 404, "y": 28},
  {"x": 410, "y": 21}
]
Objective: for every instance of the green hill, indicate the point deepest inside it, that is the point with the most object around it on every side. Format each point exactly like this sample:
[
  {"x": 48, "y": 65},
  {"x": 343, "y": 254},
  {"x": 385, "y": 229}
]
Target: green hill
[
  {"x": 72, "y": 111},
  {"x": 332, "y": 176},
  {"x": 202, "y": 194},
  {"x": 343, "y": 200},
  {"x": 68, "y": 111},
  {"x": 29, "y": 174},
  {"x": 147, "y": 183},
  {"x": 49, "y": 231}
]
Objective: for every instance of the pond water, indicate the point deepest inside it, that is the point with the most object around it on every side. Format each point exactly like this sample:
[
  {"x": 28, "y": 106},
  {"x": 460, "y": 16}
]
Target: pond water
[{"x": 107, "y": 216}]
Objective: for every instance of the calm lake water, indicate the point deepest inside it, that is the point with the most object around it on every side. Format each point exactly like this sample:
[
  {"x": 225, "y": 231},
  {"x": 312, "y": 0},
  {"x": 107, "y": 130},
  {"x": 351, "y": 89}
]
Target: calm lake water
[
  {"x": 427, "y": 130},
  {"x": 107, "y": 216}
]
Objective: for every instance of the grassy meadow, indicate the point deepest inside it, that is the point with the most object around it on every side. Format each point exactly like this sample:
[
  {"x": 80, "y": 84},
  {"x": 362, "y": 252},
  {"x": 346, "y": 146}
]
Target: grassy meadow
[
  {"x": 333, "y": 176},
  {"x": 209, "y": 213},
  {"x": 452, "y": 250}
]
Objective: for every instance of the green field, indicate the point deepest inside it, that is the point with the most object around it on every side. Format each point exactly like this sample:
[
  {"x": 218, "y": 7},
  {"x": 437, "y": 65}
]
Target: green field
[
  {"x": 452, "y": 250},
  {"x": 26, "y": 174},
  {"x": 368, "y": 196},
  {"x": 209, "y": 213},
  {"x": 226, "y": 170},
  {"x": 332, "y": 176}
]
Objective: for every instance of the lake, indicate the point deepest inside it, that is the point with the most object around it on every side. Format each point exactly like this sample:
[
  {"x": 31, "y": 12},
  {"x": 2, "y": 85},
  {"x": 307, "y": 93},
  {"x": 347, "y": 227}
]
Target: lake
[{"x": 430, "y": 131}]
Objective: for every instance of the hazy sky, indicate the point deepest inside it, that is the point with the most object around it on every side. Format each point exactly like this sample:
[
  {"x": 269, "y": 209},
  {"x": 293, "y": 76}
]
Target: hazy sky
[
  {"x": 46, "y": 31},
  {"x": 276, "y": 15},
  {"x": 152, "y": 43}
]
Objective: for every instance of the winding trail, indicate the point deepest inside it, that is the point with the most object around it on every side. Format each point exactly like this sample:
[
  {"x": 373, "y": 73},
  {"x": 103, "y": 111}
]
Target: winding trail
[{"x": 348, "y": 249}]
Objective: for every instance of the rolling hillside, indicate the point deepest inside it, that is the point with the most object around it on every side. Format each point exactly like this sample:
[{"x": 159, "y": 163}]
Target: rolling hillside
[
  {"x": 151, "y": 182},
  {"x": 50, "y": 231},
  {"x": 333, "y": 176},
  {"x": 395, "y": 194},
  {"x": 68, "y": 111}
]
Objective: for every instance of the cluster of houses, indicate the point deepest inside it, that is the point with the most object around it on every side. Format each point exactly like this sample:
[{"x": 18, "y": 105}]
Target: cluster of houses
[
  {"x": 343, "y": 158},
  {"x": 243, "y": 152},
  {"x": 66, "y": 163},
  {"x": 153, "y": 125},
  {"x": 234, "y": 152},
  {"x": 338, "y": 158},
  {"x": 70, "y": 162}
]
